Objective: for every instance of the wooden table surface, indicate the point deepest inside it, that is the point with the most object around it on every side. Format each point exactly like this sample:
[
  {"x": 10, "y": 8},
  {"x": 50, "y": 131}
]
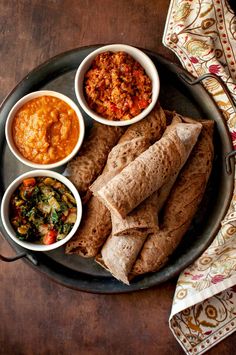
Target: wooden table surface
[{"x": 38, "y": 316}]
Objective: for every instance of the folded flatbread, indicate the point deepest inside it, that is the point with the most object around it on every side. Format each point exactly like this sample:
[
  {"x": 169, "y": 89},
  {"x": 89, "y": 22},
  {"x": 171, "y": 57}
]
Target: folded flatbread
[
  {"x": 120, "y": 252},
  {"x": 150, "y": 170},
  {"x": 92, "y": 157},
  {"x": 181, "y": 205},
  {"x": 129, "y": 234},
  {"x": 94, "y": 227},
  {"x": 142, "y": 217},
  {"x": 120, "y": 156},
  {"x": 132, "y": 143},
  {"x": 96, "y": 223}
]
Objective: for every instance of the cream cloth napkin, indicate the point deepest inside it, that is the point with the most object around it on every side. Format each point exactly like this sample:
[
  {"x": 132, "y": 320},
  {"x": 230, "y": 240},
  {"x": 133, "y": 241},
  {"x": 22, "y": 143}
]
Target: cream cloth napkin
[{"x": 203, "y": 36}]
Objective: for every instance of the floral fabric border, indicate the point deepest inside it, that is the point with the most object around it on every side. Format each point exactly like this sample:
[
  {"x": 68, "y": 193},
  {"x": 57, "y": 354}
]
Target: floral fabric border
[
  {"x": 203, "y": 36},
  {"x": 200, "y": 327}
]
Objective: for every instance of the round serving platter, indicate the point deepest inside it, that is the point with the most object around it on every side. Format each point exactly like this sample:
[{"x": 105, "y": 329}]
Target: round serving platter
[{"x": 176, "y": 94}]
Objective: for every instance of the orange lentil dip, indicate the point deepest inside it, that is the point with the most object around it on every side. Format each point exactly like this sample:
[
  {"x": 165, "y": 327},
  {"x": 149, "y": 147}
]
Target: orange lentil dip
[
  {"x": 117, "y": 87},
  {"x": 45, "y": 130}
]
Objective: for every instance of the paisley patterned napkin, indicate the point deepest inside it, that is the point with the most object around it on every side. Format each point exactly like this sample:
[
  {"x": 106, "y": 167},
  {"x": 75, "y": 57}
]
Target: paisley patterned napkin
[{"x": 203, "y": 36}]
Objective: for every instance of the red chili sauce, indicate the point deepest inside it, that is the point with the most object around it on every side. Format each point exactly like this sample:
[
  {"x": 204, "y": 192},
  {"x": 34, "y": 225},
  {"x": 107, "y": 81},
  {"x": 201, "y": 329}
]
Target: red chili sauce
[{"x": 117, "y": 87}]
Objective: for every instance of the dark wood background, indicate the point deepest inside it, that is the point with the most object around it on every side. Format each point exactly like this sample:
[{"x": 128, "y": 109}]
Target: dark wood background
[{"x": 38, "y": 316}]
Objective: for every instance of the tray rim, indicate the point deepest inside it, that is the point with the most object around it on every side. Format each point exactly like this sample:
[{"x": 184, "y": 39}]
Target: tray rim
[{"x": 123, "y": 288}]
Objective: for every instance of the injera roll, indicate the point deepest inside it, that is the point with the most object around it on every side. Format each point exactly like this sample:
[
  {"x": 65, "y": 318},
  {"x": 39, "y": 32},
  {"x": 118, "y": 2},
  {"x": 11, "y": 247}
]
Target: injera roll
[
  {"x": 142, "y": 217},
  {"x": 181, "y": 205},
  {"x": 121, "y": 249},
  {"x": 96, "y": 223},
  {"x": 150, "y": 170},
  {"x": 94, "y": 227},
  {"x": 119, "y": 157},
  {"x": 92, "y": 157},
  {"x": 151, "y": 127},
  {"x": 120, "y": 252},
  {"x": 145, "y": 132}
]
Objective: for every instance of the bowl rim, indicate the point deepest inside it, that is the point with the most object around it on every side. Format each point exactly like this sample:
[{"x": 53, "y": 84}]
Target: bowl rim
[
  {"x": 5, "y": 209},
  {"x": 19, "y": 104},
  {"x": 138, "y": 55}
]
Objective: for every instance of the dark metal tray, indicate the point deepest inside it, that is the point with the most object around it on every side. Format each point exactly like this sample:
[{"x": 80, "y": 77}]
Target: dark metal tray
[{"x": 176, "y": 94}]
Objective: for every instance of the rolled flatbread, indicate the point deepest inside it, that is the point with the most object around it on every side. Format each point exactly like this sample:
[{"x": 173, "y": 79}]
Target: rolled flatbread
[
  {"x": 119, "y": 253},
  {"x": 121, "y": 249},
  {"x": 181, "y": 205},
  {"x": 96, "y": 223},
  {"x": 132, "y": 143},
  {"x": 92, "y": 157},
  {"x": 94, "y": 227},
  {"x": 142, "y": 217},
  {"x": 119, "y": 157},
  {"x": 150, "y": 170}
]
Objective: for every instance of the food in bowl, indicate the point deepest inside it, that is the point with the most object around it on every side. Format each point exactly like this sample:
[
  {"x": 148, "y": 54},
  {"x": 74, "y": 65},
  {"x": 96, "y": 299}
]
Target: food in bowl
[
  {"x": 45, "y": 130},
  {"x": 138, "y": 55},
  {"x": 42, "y": 210},
  {"x": 116, "y": 86}
]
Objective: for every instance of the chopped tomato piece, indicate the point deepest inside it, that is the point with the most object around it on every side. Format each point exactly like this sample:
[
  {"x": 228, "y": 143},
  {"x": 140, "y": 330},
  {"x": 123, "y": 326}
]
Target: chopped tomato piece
[
  {"x": 113, "y": 107},
  {"x": 50, "y": 237},
  {"x": 137, "y": 73},
  {"x": 135, "y": 110},
  {"x": 29, "y": 182},
  {"x": 143, "y": 103}
]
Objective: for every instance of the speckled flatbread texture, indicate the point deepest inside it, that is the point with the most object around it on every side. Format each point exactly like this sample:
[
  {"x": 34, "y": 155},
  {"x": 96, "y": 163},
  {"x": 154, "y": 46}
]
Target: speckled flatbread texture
[
  {"x": 92, "y": 157},
  {"x": 94, "y": 227},
  {"x": 121, "y": 250},
  {"x": 151, "y": 127},
  {"x": 149, "y": 171},
  {"x": 181, "y": 205},
  {"x": 142, "y": 217},
  {"x": 120, "y": 156},
  {"x": 132, "y": 143},
  {"x": 96, "y": 223},
  {"x": 119, "y": 254}
]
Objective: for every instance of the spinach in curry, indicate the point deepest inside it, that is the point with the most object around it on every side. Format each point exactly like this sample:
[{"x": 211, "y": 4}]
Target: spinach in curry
[{"x": 42, "y": 210}]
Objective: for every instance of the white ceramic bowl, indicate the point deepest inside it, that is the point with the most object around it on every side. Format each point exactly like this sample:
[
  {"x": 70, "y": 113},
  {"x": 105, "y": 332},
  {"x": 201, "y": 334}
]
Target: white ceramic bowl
[
  {"x": 17, "y": 106},
  {"x": 5, "y": 209},
  {"x": 140, "y": 57}
]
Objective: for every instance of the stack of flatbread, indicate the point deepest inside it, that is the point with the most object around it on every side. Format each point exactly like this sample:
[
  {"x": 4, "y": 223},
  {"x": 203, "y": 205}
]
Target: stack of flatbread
[{"x": 138, "y": 208}]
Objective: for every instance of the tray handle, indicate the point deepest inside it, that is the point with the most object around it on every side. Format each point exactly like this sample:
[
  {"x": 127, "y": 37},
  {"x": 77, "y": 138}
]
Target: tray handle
[
  {"x": 189, "y": 80},
  {"x": 10, "y": 259},
  {"x": 23, "y": 254}
]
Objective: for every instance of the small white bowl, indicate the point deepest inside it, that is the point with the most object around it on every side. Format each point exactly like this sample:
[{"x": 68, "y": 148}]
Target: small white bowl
[
  {"x": 6, "y": 202},
  {"x": 140, "y": 57},
  {"x": 19, "y": 104}
]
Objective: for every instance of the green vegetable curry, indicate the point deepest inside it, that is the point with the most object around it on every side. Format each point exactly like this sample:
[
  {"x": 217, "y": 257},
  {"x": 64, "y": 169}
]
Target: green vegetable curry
[{"x": 42, "y": 210}]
